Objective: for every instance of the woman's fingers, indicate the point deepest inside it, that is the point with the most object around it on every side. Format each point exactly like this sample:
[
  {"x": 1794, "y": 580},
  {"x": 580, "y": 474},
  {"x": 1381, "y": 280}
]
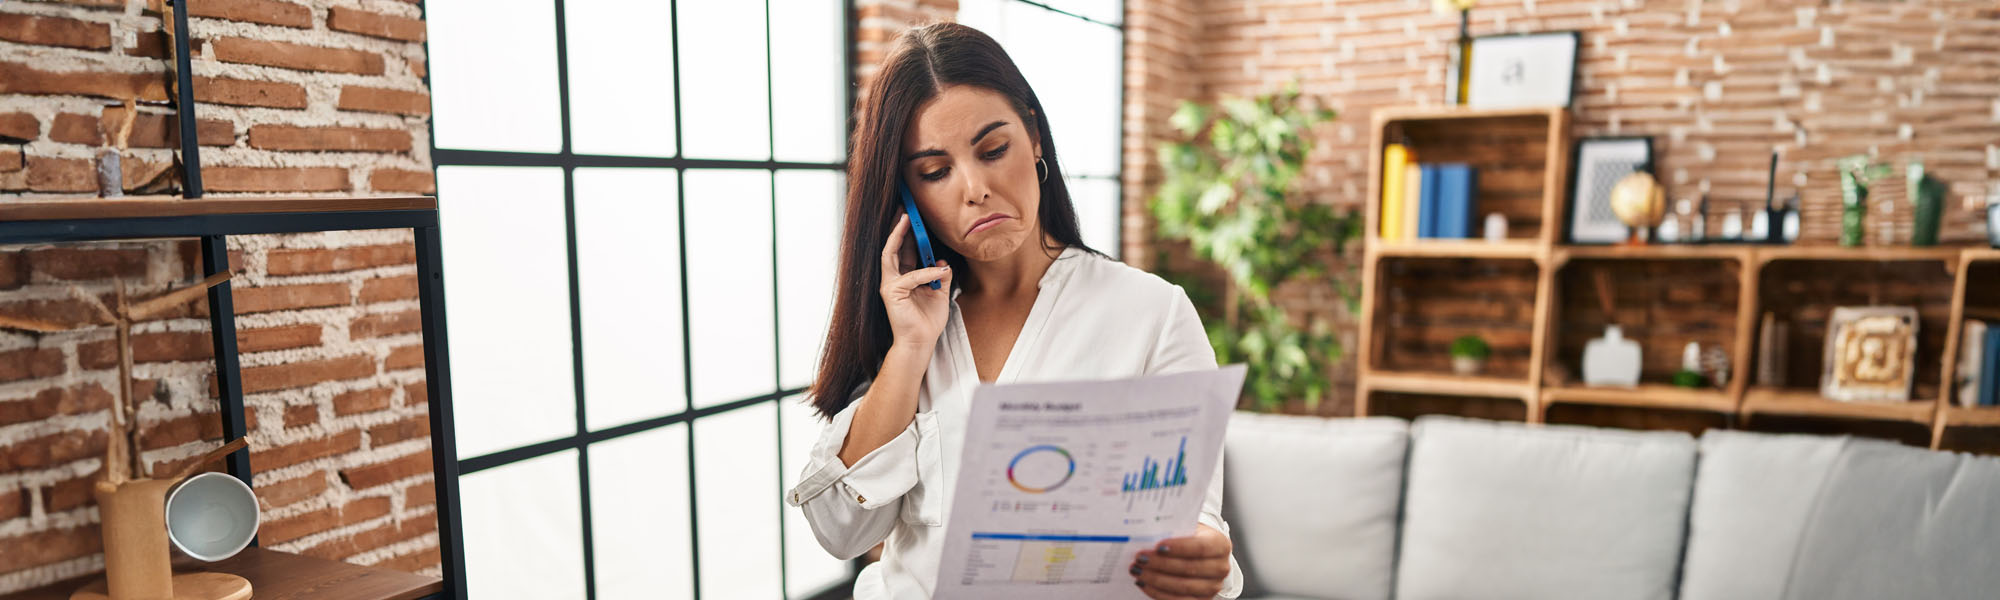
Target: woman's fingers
[
  {"x": 1200, "y": 568},
  {"x": 1161, "y": 585},
  {"x": 890, "y": 266},
  {"x": 920, "y": 277},
  {"x": 1206, "y": 543}
]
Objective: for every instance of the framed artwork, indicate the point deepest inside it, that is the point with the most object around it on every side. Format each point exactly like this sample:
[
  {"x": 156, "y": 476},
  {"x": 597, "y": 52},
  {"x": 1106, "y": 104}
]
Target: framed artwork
[
  {"x": 1525, "y": 69},
  {"x": 1596, "y": 165},
  {"x": 1871, "y": 354}
]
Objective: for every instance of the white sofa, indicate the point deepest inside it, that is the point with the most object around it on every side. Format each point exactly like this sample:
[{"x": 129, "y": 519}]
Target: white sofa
[{"x": 1450, "y": 508}]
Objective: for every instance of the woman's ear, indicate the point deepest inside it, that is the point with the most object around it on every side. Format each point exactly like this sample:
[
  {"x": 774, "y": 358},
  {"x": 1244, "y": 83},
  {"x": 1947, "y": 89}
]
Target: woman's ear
[{"x": 1035, "y": 132}]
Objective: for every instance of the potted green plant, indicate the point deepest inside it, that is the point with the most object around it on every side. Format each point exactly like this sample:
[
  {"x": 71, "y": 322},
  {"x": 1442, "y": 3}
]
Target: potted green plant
[
  {"x": 1468, "y": 355},
  {"x": 1232, "y": 191}
]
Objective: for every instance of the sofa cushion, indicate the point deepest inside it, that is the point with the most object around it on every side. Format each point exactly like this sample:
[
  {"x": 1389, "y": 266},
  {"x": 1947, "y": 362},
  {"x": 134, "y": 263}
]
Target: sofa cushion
[
  {"x": 1312, "y": 503},
  {"x": 1507, "y": 510},
  {"x": 1752, "y": 495},
  {"x": 1901, "y": 522}
]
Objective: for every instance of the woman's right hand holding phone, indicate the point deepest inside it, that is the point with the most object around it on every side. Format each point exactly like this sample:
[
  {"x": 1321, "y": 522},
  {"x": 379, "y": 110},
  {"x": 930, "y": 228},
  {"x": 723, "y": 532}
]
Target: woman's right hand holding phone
[
  {"x": 917, "y": 313},
  {"x": 917, "y": 316}
]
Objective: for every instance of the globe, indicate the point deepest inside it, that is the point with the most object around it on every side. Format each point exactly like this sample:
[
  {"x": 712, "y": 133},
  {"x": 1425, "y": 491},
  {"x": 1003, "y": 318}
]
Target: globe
[{"x": 1638, "y": 200}]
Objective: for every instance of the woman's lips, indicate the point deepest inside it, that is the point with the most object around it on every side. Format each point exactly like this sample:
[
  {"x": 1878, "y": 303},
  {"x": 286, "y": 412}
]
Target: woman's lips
[{"x": 987, "y": 222}]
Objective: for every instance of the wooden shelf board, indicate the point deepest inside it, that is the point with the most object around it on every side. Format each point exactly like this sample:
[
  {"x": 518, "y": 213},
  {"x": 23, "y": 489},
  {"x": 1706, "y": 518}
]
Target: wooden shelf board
[
  {"x": 138, "y": 207},
  {"x": 1808, "y": 403},
  {"x": 1646, "y": 395},
  {"x": 1986, "y": 416},
  {"x": 1445, "y": 384},
  {"x": 275, "y": 574},
  {"x": 1432, "y": 113},
  {"x": 1982, "y": 254},
  {"x": 1861, "y": 254},
  {"x": 1515, "y": 249},
  {"x": 1657, "y": 252}
]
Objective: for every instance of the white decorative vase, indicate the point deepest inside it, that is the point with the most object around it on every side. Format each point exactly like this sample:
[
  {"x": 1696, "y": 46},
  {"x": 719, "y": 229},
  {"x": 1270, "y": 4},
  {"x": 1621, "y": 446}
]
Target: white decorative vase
[{"x": 1611, "y": 360}]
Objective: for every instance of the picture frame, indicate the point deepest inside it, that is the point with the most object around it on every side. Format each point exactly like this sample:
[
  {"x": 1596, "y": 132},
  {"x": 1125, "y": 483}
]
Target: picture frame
[
  {"x": 1871, "y": 354},
  {"x": 1596, "y": 165},
  {"x": 1523, "y": 69}
]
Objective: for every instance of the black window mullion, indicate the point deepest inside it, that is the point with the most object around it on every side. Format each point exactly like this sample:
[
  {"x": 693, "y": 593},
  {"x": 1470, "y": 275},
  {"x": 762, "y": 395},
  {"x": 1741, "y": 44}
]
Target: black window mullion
[
  {"x": 687, "y": 337},
  {"x": 777, "y": 322},
  {"x": 585, "y": 523}
]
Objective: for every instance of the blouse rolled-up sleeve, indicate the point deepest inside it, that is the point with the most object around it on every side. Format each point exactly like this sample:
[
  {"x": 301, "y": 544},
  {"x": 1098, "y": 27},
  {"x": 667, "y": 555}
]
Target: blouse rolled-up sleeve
[
  {"x": 1183, "y": 346},
  {"x": 853, "y": 507}
]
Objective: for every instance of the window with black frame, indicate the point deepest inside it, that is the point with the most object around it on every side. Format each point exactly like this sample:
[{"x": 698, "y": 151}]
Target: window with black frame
[{"x": 640, "y": 212}]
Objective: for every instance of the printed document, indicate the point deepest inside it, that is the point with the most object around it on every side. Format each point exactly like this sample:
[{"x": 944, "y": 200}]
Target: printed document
[{"x": 1062, "y": 484}]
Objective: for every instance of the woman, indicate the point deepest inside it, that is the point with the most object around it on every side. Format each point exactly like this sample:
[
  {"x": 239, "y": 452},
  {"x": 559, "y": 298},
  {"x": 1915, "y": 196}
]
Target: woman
[{"x": 1021, "y": 299}]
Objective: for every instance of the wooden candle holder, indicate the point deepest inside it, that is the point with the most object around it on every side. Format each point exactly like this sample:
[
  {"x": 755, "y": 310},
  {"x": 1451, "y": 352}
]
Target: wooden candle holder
[{"x": 136, "y": 566}]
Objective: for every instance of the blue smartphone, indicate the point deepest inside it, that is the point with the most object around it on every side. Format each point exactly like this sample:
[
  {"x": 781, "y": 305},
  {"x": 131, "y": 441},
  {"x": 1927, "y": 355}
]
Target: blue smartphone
[{"x": 917, "y": 227}]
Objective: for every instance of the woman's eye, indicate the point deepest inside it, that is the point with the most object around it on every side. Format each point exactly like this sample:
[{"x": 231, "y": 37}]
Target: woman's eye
[
  {"x": 935, "y": 175},
  {"x": 997, "y": 152}
]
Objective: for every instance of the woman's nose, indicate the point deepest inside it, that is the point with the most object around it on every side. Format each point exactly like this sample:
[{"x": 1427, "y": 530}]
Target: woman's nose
[{"x": 976, "y": 190}]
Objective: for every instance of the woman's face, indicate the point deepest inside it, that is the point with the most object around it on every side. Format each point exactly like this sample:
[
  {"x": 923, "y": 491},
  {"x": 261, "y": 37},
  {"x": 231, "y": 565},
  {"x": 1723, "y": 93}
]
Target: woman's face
[{"x": 970, "y": 161}]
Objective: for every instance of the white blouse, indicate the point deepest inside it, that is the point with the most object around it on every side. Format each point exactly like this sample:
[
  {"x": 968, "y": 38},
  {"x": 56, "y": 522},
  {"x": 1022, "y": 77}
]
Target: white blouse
[{"x": 1093, "y": 318}]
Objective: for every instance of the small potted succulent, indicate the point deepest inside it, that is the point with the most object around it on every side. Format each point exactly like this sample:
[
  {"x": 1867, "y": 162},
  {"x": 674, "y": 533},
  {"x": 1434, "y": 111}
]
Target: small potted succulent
[{"x": 1468, "y": 355}]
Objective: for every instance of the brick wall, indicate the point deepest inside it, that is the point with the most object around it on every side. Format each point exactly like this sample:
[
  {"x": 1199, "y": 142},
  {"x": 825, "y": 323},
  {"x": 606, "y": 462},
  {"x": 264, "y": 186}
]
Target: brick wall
[
  {"x": 294, "y": 96},
  {"x": 1720, "y": 84}
]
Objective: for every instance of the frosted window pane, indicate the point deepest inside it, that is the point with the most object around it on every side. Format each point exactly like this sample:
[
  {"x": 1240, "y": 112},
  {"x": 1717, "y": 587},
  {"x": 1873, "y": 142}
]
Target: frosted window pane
[
  {"x": 725, "y": 101},
  {"x": 737, "y": 502},
  {"x": 808, "y": 83},
  {"x": 808, "y": 568},
  {"x": 493, "y": 75},
  {"x": 628, "y": 274},
  {"x": 1097, "y": 215},
  {"x": 1077, "y": 82},
  {"x": 508, "y": 301},
  {"x": 729, "y": 284},
  {"x": 523, "y": 529},
  {"x": 1106, "y": 11},
  {"x": 621, "y": 84},
  {"x": 639, "y": 516},
  {"x": 984, "y": 15},
  {"x": 809, "y": 220}
]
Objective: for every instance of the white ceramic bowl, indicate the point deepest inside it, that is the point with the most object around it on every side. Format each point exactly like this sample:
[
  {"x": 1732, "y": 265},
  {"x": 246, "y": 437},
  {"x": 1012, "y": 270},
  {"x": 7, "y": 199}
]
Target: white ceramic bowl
[{"x": 211, "y": 516}]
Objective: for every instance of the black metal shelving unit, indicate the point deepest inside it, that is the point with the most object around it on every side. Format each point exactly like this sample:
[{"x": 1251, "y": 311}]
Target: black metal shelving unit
[
  {"x": 272, "y": 217},
  {"x": 212, "y": 222}
]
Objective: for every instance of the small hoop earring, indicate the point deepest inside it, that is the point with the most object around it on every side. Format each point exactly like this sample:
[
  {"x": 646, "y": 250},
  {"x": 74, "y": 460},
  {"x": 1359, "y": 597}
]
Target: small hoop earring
[{"x": 1042, "y": 169}]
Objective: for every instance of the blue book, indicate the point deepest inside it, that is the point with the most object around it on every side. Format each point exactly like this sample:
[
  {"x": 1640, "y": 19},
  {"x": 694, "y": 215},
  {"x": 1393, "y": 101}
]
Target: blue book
[
  {"x": 1989, "y": 388},
  {"x": 1427, "y": 211},
  {"x": 1458, "y": 185}
]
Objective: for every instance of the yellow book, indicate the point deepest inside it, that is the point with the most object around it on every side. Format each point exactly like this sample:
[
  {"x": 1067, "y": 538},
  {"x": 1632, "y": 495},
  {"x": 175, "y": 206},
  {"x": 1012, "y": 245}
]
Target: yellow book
[{"x": 1395, "y": 159}]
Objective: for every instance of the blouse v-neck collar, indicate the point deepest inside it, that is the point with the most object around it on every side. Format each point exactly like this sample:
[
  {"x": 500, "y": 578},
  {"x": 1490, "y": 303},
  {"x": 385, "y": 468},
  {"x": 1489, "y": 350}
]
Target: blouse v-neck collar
[{"x": 1047, "y": 289}]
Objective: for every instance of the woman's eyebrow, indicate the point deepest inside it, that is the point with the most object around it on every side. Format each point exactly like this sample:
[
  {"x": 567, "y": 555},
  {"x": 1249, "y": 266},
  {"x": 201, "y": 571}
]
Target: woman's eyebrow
[
  {"x": 985, "y": 130},
  {"x": 975, "y": 139}
]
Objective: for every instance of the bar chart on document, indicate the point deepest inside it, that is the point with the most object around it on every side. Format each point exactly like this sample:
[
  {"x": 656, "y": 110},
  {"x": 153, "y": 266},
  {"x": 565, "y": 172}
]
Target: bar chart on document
[{"x": 1066, "y": 492}]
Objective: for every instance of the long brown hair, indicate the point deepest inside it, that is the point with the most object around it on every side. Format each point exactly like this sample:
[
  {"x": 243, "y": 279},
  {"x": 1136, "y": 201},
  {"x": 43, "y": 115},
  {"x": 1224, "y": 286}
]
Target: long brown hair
[{"x": 922, "y": 61}]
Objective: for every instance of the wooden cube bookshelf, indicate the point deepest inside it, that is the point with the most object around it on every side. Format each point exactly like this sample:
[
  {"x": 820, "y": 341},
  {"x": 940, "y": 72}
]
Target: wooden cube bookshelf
[{"x": 1714, "y": 294}]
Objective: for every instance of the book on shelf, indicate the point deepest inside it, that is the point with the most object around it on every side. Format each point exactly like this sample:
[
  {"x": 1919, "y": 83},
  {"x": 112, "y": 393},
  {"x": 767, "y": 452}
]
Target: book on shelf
[
  {"x": 1971, "y": 363},
  {"x": 1413, "y": 195},
  {"x": 1395, "y": 159},
  {"x": 1989, "y": 375},
  {"x": 1427, "y": 211},
  {"x": 1456, "y": 183},
  {"x": 1426, "y": 200}
]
